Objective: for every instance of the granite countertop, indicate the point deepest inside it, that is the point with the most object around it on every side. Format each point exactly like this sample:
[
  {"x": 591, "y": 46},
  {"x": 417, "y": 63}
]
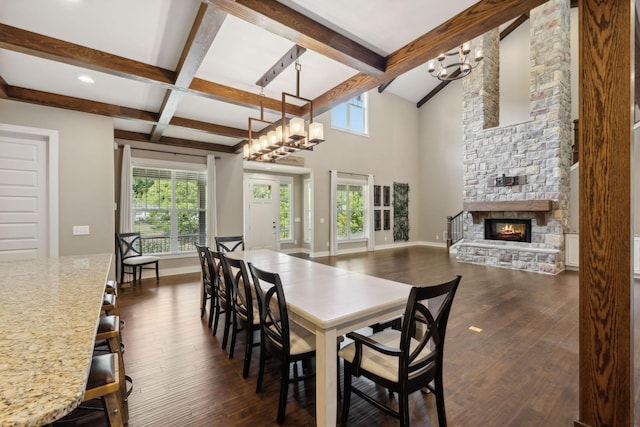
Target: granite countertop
[{"x": 49, "y": 315}]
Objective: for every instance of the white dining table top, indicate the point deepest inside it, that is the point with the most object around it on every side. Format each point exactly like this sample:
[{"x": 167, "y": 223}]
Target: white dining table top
[
  {"x": 48, "y": 321},
  {"x": 325, "y": 295}
]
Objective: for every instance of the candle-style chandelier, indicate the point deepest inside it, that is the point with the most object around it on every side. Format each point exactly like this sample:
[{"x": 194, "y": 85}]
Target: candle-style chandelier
[
  {"x": 285, "y": 138},
  {"x": 461, "y": 67}
]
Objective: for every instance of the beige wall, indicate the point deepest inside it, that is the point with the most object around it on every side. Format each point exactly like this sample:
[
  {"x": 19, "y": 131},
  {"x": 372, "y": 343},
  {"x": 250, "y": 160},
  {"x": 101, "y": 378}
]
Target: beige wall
[
  {"x": 441, "y": 161},
  {"x": 85, "y": 172},
  {"x": 389, "y": 153}
]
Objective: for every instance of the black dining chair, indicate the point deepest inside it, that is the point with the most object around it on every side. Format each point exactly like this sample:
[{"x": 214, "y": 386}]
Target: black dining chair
[
  {"x": 229, "y": 243},
  {"x": 244, "y": 308},
  {"x": 287, "y": 342},
  {"x": 130, "y": 259},
  {"x": 222, "y": 299},
  {"x": 208, "y": 282},
  {"x": 403, "y": 361}
]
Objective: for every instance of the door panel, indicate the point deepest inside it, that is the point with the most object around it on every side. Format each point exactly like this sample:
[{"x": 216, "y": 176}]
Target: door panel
[{"x": 23, "y": 198}]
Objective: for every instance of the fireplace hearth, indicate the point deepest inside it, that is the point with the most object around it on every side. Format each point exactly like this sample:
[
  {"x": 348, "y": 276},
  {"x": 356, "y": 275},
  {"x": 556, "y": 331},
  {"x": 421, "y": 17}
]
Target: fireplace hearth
[{"x": 507, "y": 229}]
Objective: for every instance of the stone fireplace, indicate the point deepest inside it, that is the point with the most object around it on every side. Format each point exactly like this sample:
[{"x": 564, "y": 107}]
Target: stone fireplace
[{"x": 520, "y": 173}]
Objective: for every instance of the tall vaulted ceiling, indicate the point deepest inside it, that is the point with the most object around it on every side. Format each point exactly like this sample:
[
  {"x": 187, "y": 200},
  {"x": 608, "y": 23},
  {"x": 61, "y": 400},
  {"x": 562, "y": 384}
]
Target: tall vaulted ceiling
[{"x": 187, "y": 72}]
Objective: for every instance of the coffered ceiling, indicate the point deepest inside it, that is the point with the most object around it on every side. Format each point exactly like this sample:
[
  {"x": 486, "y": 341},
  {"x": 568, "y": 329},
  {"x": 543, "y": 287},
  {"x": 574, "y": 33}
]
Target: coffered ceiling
[{"x": 185, "y": 72}]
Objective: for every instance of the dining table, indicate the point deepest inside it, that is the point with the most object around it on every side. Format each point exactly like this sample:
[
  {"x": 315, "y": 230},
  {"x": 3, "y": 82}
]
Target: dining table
[
  {"x": 50, "y": 312},
  {"x": 329, "y": 302}
]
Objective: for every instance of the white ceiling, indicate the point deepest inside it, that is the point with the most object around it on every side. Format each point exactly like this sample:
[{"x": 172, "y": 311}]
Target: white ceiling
[{"x": 155, "y": 32}]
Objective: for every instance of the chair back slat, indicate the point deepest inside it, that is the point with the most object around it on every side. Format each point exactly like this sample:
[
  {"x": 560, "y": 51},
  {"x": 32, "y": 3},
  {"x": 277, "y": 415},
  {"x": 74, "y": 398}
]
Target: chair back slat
[
  {"x": 229, "y": 243},
  {"x": 422, "y": 325},
  {"x": 237, "y": 276},
  {"x": 274, "y": 318}
]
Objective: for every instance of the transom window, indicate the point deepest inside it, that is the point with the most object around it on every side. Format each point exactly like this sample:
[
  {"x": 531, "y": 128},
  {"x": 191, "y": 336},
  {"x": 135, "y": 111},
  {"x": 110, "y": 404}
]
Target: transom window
[
  {"x": 169, "y": 208},
  {"x": 351, "y": 116}
]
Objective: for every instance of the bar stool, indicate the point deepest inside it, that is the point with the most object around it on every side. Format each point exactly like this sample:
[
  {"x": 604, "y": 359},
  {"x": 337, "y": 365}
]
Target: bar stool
[
  {"x": 111, "y": 287},
  {"x": 104, "y": 383},
  {"x": 110, "y": 304},
  {"x": 109, "y": 331}
]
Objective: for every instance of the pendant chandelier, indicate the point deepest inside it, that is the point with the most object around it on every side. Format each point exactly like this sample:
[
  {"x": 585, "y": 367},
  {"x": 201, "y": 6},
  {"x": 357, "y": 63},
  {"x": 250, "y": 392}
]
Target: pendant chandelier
[
  {"x": 459, "y": 68},
  {"x": 287, "y": 137}
]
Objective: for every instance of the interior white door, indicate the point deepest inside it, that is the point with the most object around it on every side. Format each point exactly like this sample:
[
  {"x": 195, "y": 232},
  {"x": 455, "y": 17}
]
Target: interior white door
[
  {"x": 263, "y": 214},
  {"x": 24, "y": 229}
]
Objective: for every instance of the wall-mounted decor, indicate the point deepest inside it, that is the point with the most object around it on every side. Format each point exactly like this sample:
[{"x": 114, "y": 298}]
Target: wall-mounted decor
[
  {"x": 376, "y": 195},
  {"x": 387, "y": 195},
  {"x": 377, "y": 220},
  {"x": 400, "y": 211},
  {"x": 387, "y": 219}
]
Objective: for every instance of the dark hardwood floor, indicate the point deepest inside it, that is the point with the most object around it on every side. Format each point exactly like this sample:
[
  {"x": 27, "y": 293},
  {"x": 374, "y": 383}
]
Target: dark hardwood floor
[{"x": 520, "y": 370}]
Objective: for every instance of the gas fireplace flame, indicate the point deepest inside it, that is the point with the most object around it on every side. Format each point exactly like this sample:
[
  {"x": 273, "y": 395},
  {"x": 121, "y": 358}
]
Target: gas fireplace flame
[{"x": 510, "y": 230}]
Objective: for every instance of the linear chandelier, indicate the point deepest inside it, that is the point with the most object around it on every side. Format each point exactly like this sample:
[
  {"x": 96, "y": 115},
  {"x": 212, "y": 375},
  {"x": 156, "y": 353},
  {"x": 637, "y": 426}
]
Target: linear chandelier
[
  {"x": 284, "y": 139},
  {"x": 461, "y": 67}
]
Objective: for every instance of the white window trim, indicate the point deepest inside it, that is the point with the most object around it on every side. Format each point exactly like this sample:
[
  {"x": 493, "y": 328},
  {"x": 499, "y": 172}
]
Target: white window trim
[
  {"x": 366, "y": 211},
  {"x": 140, "y": 162},
  {"x": 288, "y": 181}
]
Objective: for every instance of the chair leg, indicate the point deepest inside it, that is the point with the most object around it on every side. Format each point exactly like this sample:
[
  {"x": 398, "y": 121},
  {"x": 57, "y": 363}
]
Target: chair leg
[
  {"x": 216, "y": 314},
  {"x": 112, "y": 408},
  {"x": 346, "y": 396},
  {"x": 439, "y": 392},
  {"x": 263, "y": 357},
  {"x": 284, "y": 391},
  {"x": 248, "y": 349},
  {"x": 403, "y": 408},
  {"x": 234, "y": 333},
  {"x": 211, "y": 310},
  {"x": 227, "y": 324},
  {"x": 157, "y": 274}
]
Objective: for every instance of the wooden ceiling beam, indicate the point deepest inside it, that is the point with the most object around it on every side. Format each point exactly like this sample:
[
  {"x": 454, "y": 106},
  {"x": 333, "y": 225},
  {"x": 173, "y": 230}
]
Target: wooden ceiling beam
[
  {"x": 209, "y": 127},
  {"x": 93, "y": 107},
  {"x": 203, "y": 31},
  {"x": 23, "y": 41},
  {"x": 302, "y": 30},
  {"x": 467, "y": 25},
  {"x": 18, "y": 40},
  {"x": 78, "y": 104},
  {"x": 230, "y": 95},
  {"x": 176, "y": 142},
  {"x": 4, "y": 87}
]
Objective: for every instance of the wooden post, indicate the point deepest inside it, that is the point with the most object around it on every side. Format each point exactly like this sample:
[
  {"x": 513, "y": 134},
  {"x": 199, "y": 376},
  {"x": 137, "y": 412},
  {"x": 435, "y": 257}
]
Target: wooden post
[{"x": 606, "y": 231}]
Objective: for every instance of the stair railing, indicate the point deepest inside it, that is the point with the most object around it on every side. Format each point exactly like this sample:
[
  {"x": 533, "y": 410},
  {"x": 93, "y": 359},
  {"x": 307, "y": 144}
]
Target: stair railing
[{"x": 454, "y": 229}]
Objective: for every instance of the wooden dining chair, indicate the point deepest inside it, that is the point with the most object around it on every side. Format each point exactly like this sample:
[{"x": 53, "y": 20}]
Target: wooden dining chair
[
  {"x": 208, "y": 282},
  {"x": 130, "y": 259},
  {"x": 244, "y": 307},
  {"x": 403, "y": 361},
  {"x": 229, "y": 243},
  {"x": 222, "y": 299},
  {"x": 285, "y": 341}
]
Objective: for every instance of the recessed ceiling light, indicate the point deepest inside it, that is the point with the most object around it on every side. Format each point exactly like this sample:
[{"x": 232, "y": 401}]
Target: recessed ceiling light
[{"x": 85, "y": 79}]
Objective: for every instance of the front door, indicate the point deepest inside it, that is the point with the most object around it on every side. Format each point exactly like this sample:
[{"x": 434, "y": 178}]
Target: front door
[{"x": 263, "y": 223}]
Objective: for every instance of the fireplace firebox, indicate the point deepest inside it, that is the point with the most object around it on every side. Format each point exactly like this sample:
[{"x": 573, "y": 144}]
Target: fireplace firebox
[{"x": 508, "y": 229}]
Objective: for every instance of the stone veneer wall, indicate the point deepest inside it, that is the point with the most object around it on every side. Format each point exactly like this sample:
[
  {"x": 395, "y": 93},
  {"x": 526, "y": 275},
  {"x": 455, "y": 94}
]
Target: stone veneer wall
[{"x": 539, "y": 149}]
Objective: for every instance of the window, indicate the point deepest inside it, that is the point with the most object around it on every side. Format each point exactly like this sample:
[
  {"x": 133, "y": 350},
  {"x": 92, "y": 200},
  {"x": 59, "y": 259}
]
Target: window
[
  {"x": 286, "y": 229},
  {"x": 350, "y": 210},
  {"x": 351, "y": 116},
  {"x": 169, "y": 208}
]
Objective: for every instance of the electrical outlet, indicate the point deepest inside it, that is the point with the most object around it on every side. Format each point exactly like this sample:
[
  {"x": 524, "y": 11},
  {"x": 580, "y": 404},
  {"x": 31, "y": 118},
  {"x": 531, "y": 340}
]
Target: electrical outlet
[{"x": 437, "y": 237}]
